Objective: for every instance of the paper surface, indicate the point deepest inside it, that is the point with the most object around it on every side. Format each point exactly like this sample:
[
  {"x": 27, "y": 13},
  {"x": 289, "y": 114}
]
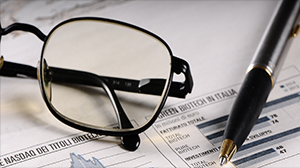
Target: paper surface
[{"x": 217, "y": 38}]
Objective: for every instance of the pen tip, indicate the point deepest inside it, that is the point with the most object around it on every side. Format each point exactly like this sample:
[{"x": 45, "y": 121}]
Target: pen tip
[{"x": 223, "y": 160}]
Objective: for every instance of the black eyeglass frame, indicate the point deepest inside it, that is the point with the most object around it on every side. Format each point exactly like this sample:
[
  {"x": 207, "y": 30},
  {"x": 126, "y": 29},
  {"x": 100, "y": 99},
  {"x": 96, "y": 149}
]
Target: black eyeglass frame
[{"x": 176, "y": 89}]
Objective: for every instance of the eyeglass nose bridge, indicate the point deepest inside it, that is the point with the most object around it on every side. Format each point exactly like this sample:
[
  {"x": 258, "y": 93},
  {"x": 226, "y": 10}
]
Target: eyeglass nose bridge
[{"x": 22, "y": 27}]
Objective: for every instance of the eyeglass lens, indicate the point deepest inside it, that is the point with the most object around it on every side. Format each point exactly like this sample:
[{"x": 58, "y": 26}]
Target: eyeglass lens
[{"x": 124, "y": 57}]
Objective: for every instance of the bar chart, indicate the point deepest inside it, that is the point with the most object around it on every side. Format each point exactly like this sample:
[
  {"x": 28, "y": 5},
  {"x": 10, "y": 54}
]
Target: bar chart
[{"x": 277, "y": 125}]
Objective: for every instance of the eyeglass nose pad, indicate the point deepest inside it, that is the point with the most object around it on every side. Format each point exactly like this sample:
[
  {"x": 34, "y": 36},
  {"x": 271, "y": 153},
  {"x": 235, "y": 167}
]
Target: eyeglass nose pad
[{"x": 48, "y": 77}]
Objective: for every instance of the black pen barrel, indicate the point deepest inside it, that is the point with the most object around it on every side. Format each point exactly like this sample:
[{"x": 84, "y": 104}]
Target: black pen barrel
[
  {"x": 263, "y": 71},
  {"x": 248, "y": 105},
  {"x": 261, "y": 76}
]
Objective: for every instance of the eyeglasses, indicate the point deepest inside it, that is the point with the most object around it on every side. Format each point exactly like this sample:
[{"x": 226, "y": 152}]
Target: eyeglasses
[{"x": 103, "y": 76}]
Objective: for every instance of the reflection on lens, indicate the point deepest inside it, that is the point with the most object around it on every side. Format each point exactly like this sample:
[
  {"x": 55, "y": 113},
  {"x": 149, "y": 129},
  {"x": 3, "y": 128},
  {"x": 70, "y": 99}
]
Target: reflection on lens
[{"x": 79, "y": 53}]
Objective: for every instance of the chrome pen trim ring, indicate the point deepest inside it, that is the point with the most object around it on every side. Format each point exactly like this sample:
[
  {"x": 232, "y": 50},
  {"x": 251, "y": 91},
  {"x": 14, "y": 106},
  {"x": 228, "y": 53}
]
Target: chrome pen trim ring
[{"x": 266, "y": 68}]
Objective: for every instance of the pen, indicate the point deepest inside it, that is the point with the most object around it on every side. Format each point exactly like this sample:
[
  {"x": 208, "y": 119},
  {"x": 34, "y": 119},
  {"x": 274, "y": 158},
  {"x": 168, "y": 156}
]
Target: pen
[{"x": 260, "y": 77}]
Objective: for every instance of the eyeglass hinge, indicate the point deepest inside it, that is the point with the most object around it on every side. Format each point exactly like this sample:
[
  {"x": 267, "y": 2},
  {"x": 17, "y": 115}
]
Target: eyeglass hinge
[{"x": 181, "y": 66}]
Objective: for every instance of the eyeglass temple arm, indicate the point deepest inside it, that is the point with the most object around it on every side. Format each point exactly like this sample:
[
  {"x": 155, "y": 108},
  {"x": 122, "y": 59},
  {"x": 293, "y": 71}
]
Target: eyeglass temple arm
[
  {"x": 17, "y": 70},
  {"x": 146, "y": 86}
]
